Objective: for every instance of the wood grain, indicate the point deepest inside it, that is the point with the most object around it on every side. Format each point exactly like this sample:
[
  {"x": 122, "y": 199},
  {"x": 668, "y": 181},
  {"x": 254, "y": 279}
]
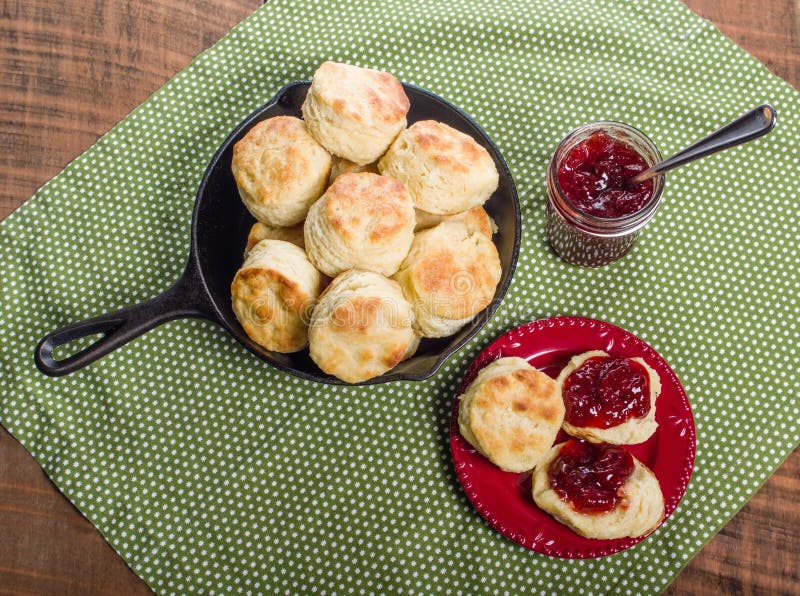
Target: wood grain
[{"x": 70, "y": 70}]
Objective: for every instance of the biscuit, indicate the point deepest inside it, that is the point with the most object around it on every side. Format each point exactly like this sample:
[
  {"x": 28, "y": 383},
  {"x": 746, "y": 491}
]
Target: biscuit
[
  {"x": 273, "y": 294},
  {"x": 344, "y": 166},
  {"x": 511, "y": 413},
  {"x": 261, "y": 231},
  {"x": 630, "y": 432},
  {"x": 355, "y": 112},
  {"x": 445, "y": 170},
  {"x": 639, "y": 512},
  {"x": 280, "y": 170},
  {"x": 450, "y": 275},
  {"x": 475, "y": 219},
  {"x": 361, "y": 327},
  {"x": 363, "y": 221}
]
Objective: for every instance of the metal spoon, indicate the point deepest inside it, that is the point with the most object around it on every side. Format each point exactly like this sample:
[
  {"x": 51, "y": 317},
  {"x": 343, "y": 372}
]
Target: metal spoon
[{"x": 755, "y": 123}]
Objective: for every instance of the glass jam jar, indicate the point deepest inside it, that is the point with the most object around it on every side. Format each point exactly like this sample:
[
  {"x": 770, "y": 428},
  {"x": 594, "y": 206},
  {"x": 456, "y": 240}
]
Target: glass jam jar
[{"x": 591, "y": 240}]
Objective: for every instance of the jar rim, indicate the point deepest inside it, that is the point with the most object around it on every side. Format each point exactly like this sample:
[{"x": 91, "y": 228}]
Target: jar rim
[{"x": 607, "y": 226}]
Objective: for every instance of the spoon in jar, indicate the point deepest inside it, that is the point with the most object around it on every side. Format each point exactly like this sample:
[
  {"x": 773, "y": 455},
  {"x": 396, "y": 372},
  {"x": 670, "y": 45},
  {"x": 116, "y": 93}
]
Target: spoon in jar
[{"x": 755, "y": 123}]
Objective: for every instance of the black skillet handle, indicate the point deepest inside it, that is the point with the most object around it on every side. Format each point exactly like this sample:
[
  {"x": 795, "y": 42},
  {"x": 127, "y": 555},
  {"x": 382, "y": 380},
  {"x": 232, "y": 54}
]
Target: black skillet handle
[{"x": 187, "y": 298}]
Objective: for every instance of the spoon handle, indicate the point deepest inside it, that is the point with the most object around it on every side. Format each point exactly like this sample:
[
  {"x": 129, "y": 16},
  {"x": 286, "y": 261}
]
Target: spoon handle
[{"x": 755, "y": 123}]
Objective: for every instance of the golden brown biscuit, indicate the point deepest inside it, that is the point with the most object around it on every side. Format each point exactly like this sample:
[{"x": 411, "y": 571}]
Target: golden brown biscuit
[
  {"x": 280, "y": 170},
  {"x": 445, "y": 170},
  {"x": 630, "y": 432},
  {"x": 361, "y": 327},
  {"x": 511, "y": 413},
  {"x": 355, "y": 112},
  {"x": 273, "y": 294},
  {"x": 475, "y": 219},
  {"x": 450, "y": 275},
  {"x": 261, "y": 231},
  {"x": 363, "y": 221},
  {"x": 344, "y": 166},
  {"x": 639, "y": 512}
]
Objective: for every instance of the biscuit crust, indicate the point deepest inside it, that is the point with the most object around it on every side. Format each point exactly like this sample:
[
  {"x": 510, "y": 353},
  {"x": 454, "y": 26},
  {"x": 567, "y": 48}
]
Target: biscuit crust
[
  {"x": 344, "y": 166},
  {"x": 446, "y": 171},
  {"x": 476, "y": 219},
  {"x": 280, "y": 170},
  {"x": 363, "y": 221},
  {"x": 361, "y": 327},
  {"x": 261, "y": 231},
  {"x": 511, "y": 413},
  {"x": 450, "y": 275},
  {"x": 273, "y": 294},
  {"x": 355, "y": 112}
]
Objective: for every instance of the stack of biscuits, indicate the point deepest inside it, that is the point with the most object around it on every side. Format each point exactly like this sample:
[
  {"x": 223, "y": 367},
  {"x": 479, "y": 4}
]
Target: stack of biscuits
[
  {"x": 511, "y": 413},
  {"x": 370, "y": 234}
]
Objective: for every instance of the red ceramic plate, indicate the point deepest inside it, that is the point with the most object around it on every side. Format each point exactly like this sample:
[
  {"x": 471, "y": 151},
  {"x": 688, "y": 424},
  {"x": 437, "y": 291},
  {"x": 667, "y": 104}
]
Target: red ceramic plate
[{"x": 504, "y": 498}]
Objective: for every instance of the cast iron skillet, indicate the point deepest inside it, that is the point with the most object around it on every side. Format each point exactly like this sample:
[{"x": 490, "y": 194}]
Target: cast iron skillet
[{"x": 220, "y": 225}]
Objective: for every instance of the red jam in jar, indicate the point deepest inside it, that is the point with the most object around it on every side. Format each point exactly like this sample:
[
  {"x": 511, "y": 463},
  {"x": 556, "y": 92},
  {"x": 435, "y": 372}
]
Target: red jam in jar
[
  {"x": 593, "y": 218},
  {"x": 593, "y": 176},
  {"x": 589, "y": 476},
  {"x": 604, "y": 392}
]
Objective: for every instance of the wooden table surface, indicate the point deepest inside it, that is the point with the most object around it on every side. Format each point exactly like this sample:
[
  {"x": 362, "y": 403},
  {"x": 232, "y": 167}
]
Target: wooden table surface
[{"x": 70, "y": 70}]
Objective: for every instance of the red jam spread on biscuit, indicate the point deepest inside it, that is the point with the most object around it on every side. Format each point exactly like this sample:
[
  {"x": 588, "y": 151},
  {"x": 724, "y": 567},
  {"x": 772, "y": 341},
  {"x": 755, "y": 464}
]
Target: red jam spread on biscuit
[
  {"x": 593, "y": 176},
  {"x": 589, "y": 476},
  {"x": 604, "y": 392}
]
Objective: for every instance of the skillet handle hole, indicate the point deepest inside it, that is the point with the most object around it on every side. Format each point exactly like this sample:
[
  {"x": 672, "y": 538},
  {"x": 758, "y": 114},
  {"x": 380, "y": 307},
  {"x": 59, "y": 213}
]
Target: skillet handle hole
[{"x": 75, "y": 346}]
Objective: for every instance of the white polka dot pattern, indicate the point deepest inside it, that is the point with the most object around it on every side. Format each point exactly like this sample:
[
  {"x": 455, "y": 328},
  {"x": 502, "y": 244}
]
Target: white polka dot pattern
[{"x": 208, "y": 471}]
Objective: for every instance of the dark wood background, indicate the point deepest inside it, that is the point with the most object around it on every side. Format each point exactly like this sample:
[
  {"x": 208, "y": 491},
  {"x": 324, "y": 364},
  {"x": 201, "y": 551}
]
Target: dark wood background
[{"x": 70, "y": 70}]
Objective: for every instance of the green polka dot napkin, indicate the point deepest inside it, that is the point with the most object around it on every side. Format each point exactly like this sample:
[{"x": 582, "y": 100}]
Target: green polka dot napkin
[{"x": 209, "y": 471}]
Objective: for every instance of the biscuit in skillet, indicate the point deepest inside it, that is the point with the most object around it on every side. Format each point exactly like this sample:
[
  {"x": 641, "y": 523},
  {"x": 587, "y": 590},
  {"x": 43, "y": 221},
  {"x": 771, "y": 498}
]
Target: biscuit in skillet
[
  {"x": 361, "y": 327},
  {"x": 450, "y": 274},
  {"x": 445, "y": 170},
  {"x": 280, "y": 170},
  {"x": 475, "y": 219},
  {"x": 344, "y": 166},
  {"x": 363, "y": 221},
  {"x": 355, "y": 112},
  {"x": 261, "y": 231},
  {"x": 273, "y": 294}
]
